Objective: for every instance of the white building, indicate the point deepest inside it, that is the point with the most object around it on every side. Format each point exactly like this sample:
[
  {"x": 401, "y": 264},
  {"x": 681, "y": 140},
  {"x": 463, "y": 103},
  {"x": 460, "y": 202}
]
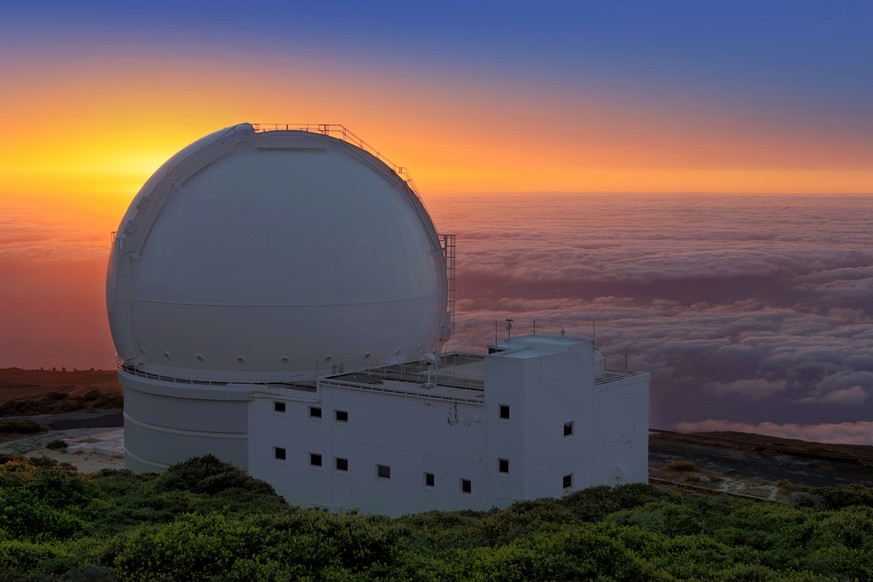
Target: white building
[{"x": 277, "y": 299}]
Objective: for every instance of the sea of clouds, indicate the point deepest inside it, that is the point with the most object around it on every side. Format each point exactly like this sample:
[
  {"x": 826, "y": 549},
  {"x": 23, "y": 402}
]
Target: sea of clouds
[{"x": 751, "y": 313}]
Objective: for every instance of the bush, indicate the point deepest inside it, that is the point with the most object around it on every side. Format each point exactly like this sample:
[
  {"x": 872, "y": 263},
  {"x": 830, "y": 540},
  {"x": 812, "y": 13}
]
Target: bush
[
  {"x": 19, "y": 426},
  {"x": 682, "y": 466},
  {"x": 210, "y": 475},
  {"x": 840, "y": 497},
  {"x": 57, "y": 444},
  {"x": 596, "y": 503},
  {"x": 205, "y": 520}
]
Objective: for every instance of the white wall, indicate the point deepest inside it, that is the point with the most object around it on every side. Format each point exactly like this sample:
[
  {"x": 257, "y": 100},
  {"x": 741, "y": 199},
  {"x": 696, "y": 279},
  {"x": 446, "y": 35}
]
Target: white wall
[
  {"x": 167, "y": 423},
  {"x": 547, "y": 382},
  {"x": 621, "y": 446},
  {"x": 410, "y": 435}
]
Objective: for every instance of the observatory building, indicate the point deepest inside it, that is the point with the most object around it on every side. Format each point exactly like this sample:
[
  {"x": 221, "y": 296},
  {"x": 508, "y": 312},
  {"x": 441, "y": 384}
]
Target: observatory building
[{"x": 279, "y": 297}]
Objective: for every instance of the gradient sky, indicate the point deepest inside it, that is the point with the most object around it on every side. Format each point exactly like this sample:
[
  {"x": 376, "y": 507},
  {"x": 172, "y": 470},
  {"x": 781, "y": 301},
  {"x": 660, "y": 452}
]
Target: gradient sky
[{"x": 632, "y": 96}]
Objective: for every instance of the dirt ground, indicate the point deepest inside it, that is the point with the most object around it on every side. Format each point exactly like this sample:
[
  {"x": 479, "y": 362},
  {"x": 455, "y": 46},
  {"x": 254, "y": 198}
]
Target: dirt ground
[{"x": 756, "y": 465}]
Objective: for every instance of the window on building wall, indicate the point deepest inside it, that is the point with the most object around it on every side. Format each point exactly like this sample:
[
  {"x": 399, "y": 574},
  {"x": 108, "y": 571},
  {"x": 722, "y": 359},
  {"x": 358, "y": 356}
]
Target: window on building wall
[
  {"x": 278, "y": 407},
  {"x": 503, "y": 465},
  {"x": 279, "y": 453},
  {"x": 383, "y": 471},
  {"x": 315, "y": 459},
  {"x": 342, "y": 464},
  {"x": 466, "y": 486},
  {"x": 429, "y": 479},
  {"x": 568, "y": 428},
  {"x": 341, "y": 415},
  {"x": 568, "y": 481},
  {"x": 504, "y": 411},
  {"x": 314, "y": 412}
]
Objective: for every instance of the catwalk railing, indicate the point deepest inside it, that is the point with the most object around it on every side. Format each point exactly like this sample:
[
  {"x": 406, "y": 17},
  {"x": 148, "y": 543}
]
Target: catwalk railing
[{"x": 340, "y": 132}]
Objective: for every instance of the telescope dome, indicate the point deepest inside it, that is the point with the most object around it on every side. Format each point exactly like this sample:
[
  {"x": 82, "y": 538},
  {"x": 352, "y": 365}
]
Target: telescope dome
[{"x": 257, "y": 256}]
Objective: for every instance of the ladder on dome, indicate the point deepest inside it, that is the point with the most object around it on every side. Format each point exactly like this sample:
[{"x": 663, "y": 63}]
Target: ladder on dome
[{"x": 447, "y": 242}]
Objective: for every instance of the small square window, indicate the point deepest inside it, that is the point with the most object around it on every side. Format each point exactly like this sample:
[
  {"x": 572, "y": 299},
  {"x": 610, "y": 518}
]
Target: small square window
[
  {"x": 341, "y": 415},
  {"x": 314, "y": 412},
  {"x": 568, "y": 481},
  {"x": 342, "y": 464},
  {"x": 429, "y": 479},
  {"x": 504, "y": 411},
  {"x": 503, "y": 465},
  {"x": 279, "y": 453},
  {"x": 568, "y": 428},
  {"x": 466, "y": 486},
  {"x": 278, "y": 407},
  {"x": 315, "y": 459},
  {"x": 383, "y": 471}
]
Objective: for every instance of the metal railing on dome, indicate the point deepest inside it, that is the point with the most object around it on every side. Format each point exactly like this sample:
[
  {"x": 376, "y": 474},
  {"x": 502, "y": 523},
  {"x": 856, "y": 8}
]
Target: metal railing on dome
[
  {"x": 298, "y": 382},
  {"x": 340, "y": 132}
]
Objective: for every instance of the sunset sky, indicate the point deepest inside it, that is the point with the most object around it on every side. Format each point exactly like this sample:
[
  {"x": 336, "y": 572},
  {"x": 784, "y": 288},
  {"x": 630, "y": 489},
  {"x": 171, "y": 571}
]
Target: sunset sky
[{"x": 635, "y": 96}]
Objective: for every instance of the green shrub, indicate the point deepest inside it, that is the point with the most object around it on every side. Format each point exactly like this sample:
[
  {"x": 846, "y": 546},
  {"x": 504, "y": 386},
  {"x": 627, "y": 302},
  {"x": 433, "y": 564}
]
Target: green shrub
[
  {"x": 28, "y": 560},
  {"x": 595, "y": 503},
  {"x": 205, "y": 520},
  {"x": 840, "y": 497},
  {"x": 209, "y": 475},
  {"x": 682, "y": 466},
  {"x": 19, "y": 426},
  {"x": 191, "y": 547}
]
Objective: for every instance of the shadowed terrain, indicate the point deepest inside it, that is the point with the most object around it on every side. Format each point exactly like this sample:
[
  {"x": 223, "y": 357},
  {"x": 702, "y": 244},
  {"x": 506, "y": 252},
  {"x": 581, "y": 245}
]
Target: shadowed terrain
[{"x": 41, "y": 392}]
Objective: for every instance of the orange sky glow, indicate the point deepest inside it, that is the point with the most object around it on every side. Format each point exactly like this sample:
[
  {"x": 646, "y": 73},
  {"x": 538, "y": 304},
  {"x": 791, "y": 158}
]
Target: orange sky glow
[{"x": 105, "y": 126}]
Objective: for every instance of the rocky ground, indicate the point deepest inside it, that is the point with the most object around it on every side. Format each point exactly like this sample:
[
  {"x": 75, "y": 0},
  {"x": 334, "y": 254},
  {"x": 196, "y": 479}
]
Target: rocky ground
[
  {"x": 756, "y": 465},
  {"x": 88, "y": 449}
]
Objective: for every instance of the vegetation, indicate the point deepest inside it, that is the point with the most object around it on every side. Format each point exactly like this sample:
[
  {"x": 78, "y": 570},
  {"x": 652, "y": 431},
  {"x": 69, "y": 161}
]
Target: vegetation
[
  {"x": 204, "y": 520},
  {"x": 32, "y": 392},
  {"x": 682, "y": 466},
  {"x": 19, "y": 426}
]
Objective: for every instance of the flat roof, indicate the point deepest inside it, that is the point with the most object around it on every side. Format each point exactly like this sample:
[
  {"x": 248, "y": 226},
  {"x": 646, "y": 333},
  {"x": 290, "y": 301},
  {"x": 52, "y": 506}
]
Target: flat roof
[
  {"x": 539, "y": 341},
  {"x": 456, "y": 377}
]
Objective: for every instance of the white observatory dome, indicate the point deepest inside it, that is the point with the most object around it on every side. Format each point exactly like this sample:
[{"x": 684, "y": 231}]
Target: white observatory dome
[{"x": 257, "y": 256}]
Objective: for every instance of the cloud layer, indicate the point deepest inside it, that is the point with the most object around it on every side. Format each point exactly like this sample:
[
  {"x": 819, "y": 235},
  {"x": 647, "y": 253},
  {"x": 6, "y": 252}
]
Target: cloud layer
[{"x": 744, "y": 309}]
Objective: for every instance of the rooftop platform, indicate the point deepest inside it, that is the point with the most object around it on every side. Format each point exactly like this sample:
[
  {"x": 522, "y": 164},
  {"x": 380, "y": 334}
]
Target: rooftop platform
[{"x": 453, "y": 377}]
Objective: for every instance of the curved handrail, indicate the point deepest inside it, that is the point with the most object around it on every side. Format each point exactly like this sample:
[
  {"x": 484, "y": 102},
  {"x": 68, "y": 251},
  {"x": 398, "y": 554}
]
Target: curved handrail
[{"x": 341, "y": 132}]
